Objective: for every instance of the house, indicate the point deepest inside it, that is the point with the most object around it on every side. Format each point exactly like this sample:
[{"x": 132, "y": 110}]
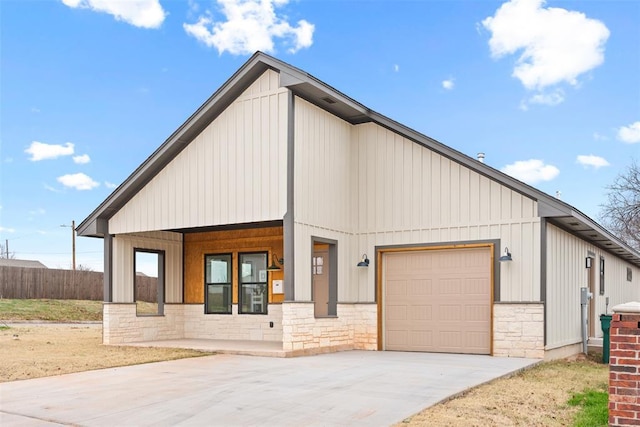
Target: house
[
  {"x": 283, "y": 210},
  {"x": 24, "y": 263}
]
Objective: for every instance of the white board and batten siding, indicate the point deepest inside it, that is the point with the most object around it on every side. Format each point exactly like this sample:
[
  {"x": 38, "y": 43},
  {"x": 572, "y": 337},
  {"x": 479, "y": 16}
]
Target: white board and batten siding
[
  {"x": 367, "y": 186},
  {"x": 323, "y": 193},
  {"x": 233, "y": 172},
  {"x": 567, "y": 273},
  {"x": 409, "y": 194},
  {"x": 123, "y": 261}
]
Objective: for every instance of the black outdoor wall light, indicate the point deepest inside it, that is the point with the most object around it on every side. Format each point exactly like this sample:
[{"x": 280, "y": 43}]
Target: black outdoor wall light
[
  {"x": 275, "y": 262},
  {"x": 506, "y": 256},
  {"x": 364, "y": 262}
]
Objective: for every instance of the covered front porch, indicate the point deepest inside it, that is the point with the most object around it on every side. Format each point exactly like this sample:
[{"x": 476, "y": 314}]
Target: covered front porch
[{"x": 221, "y": 288}]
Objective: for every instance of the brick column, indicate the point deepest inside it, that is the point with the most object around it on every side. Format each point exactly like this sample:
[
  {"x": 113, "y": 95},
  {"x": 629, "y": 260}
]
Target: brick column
[{"x": 624, "y": 366}]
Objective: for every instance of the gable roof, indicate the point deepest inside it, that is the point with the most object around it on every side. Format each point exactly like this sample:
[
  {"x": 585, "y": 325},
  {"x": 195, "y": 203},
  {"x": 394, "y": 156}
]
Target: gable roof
[
  {"x": 25, "y": 263},
  {"x": 324, "y": 96}
]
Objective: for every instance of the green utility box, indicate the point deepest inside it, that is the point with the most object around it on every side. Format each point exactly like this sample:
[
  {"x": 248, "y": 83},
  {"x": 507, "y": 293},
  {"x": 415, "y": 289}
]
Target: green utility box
[{"x": 605, "y": 322}]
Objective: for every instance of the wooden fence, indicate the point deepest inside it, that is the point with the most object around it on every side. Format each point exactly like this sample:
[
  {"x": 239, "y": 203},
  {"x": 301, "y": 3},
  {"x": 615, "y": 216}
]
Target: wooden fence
[{"x": 48, "y": 283}]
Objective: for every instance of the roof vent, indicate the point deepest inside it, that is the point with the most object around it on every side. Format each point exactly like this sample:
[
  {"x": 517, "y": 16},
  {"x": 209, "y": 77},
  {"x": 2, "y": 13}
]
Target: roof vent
[
  {"x": 329, "y": 100},
  {"x": 481, "y": 157},
  {"x": 558, "y": 194}
]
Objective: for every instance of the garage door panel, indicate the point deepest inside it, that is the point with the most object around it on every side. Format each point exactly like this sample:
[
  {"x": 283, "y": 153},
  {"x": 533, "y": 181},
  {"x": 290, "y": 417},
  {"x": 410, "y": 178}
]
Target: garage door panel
[
  {"x": 477, "y": 313},
  {"x": 397, "y": 339},
  {"x": 417, "y": 288},
  {"x": 420, "y": 312},
  {"x": 438, "y": 301},
  {"x": 450, "y": 339},
  {"x": 475, "y": 286},
  {"x": 397, "y": 312},
  {"x": 421, "y": 339},
  {"x": 449, "y": 286},
  {"x": 449, "y": 313},
  {"x": 476, "y": 340},
  {"x": 397, "y": 287}
]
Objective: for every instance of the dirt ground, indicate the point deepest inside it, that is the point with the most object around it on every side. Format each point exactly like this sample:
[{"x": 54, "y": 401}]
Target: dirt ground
[
  {"x": 43, "y": 350},
  {"x": 535, "y": 397}
]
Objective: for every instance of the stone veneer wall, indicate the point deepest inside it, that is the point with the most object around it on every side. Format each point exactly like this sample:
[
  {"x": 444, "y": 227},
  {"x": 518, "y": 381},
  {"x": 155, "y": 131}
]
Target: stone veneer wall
[
  {"x": 355, "y": 327},
  {"x": 121, "y": 325},
  {"x": 624, "y": 366},
  {"x": 518, "y": 330},
  {"x": 255, "y": 327}
]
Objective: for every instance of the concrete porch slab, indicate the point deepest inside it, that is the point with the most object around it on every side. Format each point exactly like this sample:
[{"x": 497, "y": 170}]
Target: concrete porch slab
[{"x": 241, "y": 347}]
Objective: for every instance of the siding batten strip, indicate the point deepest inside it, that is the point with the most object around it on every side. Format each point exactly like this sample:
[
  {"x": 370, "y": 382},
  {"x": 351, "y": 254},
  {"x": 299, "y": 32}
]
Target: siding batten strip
[
  {"x": 108, "y": 267},
  {"x": 288, "y": 223}
]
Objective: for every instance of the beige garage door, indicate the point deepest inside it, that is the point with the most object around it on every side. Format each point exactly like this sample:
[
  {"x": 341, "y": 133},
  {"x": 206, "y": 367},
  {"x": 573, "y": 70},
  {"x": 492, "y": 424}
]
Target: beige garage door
[{"x": 438, "y": 301}]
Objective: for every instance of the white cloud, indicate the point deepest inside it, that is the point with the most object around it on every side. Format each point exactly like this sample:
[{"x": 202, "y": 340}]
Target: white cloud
[
  {"x": 110, "y": 184},
  {"x": 139, "y": 13},
  {"x": 79, "y": 181},
  {"x": 594, "y": 161},
  {"x": 52, "y": 189},
  {"x": 531, "y": 171},
  {"x": 7, "y": 230},
  {"x": 630, "y": 134},
  {"x": 194, "y": 7},
  {"x": 250, "y": 25},
  {"x": 550, "y": 98},
  {"x": 38, "y": 211},
  {"x": 599, "y": 137},
  {"x": 396, "y": 67},
  {"x": 81, "y": 159},
  {"x": 41, "y": 151},
  {"x": 448, "y": 84},
  {"x": 556, "y": 45}
]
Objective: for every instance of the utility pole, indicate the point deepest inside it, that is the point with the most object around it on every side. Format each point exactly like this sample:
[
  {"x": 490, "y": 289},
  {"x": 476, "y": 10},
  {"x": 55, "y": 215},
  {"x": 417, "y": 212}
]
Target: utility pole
[
  {"x": 6, "y": 246},
  {"x": 73, "y": 243}
]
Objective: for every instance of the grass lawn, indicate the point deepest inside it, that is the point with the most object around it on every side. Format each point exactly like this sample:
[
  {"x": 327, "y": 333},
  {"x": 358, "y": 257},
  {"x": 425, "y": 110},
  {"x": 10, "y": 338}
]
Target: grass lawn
[{"x": 50, "y": 310}]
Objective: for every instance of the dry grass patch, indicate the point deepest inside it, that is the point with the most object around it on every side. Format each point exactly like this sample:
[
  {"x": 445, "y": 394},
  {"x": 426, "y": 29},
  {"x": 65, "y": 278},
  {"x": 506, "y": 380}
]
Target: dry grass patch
[
  {"x": 535, "y": 397},
  {"x": 45, "y": 350},
  {"x": 51, "y": 310}
]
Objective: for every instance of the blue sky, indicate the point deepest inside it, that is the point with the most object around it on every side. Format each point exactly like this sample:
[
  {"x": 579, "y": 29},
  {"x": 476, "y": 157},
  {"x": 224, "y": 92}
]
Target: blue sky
[{"x": 90, "y": 88}]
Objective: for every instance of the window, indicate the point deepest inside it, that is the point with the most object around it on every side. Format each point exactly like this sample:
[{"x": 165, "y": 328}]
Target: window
[
  {"x": 217, "y": 278},
  {"x": 252, "y": 269},
  {"x": 148, "y": 283},
  {"x": 601, "y": 275}
]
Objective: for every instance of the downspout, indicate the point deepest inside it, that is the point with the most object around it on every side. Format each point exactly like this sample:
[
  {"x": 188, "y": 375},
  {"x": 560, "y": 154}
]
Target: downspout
[{"x": 543, "y": 274}]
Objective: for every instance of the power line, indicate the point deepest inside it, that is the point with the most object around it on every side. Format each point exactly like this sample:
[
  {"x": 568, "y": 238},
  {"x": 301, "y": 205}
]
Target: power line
[{"x": 56, "y": 253}]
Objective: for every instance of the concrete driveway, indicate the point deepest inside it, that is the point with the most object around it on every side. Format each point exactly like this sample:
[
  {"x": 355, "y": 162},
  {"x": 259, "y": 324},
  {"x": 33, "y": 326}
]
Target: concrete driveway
[{"x": 348, "y": 388}]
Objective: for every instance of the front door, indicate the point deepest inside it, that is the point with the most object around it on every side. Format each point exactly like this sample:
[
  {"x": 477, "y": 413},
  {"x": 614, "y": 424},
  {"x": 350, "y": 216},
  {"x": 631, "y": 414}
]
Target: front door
[{"x": 320, "y": 272}]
